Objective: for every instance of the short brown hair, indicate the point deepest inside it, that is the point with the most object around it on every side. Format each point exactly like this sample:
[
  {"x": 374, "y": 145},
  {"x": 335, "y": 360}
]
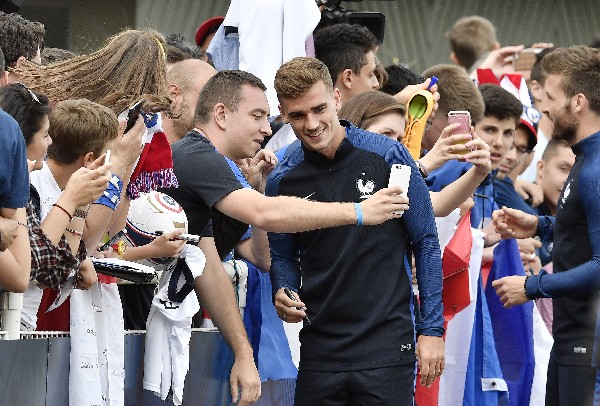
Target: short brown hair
[
  {"x": 553, "y": 148},
  {"x": 470, "y": 38},
  {"x": 78, "y": 127},
  {"x": 224, "y": 87},
  {"x": 363, "y": 110},
  {"x": 579, "y": 67},
  {"x": 295, "y": 77},
  {"x": 457, "y": 90}
]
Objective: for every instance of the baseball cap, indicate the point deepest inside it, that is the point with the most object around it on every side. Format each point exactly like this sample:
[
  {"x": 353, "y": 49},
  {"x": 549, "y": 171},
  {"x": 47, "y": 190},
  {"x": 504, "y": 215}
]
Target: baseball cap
[{"x": 207, "y": 27}]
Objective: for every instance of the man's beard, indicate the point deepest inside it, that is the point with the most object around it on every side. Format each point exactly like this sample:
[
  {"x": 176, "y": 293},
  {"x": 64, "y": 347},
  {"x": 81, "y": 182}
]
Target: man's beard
[{"x": 565, "y": 126}]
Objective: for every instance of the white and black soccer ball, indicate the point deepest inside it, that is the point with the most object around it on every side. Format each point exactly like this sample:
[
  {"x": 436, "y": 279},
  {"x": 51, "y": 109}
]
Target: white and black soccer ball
[{"x": 150, "y": 213}]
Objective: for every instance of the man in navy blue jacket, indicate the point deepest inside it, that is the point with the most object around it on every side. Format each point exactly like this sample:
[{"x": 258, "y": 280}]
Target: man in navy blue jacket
[
  {"x": 358, "y": 341},
  {"x": 572, "y": 103}
]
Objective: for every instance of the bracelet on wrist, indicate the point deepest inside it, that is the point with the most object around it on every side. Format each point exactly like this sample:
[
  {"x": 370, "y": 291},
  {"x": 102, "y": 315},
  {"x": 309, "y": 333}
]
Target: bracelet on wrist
[
  {"x": 119, "y": 248},
  {"x": 80, "y": 214},
  {"x": 424, "y": 172},
  {"x": 63, "y": 210},
  {"x": 74, "y": 232},
  {"x": 359, "y": 214},
  {"x": 112, "y": 195}
]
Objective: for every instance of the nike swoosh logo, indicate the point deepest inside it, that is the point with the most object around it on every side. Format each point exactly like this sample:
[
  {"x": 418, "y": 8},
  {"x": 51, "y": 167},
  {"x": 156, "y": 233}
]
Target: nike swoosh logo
[{"x": 307, "y": 197}]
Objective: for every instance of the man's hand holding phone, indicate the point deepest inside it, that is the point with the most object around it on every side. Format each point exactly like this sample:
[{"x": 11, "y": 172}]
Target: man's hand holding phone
[{"x": 400, "y": 176}]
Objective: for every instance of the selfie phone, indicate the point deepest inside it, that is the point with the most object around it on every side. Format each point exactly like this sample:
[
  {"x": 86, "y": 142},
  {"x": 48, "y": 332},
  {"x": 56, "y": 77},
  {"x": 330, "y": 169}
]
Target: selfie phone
[
  {"x": 464, "y": 119},
  {"x": 400, "y": 175},
  {"x": 132, "y": 114},
  {"x": 107, "y": 157}
]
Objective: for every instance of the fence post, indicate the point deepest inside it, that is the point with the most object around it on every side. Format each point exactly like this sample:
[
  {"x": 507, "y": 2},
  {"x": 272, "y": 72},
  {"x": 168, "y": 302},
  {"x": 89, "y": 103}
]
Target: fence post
[{"x": 10, "y": 307}]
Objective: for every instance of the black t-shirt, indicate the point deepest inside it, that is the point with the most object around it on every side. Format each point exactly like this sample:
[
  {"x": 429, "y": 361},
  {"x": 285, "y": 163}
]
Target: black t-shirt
[{"x": 204, "y": 178}]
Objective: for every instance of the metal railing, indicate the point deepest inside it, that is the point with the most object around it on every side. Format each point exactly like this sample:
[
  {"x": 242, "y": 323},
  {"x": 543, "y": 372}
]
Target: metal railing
[{"x": 10, "y": 314}]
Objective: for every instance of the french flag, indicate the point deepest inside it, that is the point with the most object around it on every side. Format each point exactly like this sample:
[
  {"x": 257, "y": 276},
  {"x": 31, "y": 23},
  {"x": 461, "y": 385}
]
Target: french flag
[
  {"x": 523, "y": 342},
  {"x": 493, "y": 356}
]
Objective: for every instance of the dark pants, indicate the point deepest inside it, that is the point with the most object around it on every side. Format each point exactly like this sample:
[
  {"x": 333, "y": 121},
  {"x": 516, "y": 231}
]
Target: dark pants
[
  {"x": 569, "y": 385},
  {"x": 391, "y": 386}
]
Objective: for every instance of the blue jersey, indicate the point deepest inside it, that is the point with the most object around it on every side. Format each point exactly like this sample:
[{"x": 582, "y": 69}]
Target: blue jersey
[
  {"x": 354, "y": 281},
  {"x": 576, "y": 257}
]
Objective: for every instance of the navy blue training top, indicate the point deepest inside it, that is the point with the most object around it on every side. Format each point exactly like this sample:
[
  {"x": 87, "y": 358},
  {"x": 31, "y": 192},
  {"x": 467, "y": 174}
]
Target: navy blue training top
[
  {"x": 576, "y": 256},
  {"x": 354, "y": 282}
]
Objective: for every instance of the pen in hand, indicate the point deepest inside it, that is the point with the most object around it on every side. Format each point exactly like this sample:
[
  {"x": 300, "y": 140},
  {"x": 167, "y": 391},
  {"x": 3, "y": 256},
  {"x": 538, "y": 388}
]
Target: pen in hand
[{"x": 292, "y": 296}]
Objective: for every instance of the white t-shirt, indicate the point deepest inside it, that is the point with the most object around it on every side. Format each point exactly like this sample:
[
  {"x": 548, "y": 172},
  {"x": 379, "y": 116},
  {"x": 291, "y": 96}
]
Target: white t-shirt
[{"x": 49, "y": 192}]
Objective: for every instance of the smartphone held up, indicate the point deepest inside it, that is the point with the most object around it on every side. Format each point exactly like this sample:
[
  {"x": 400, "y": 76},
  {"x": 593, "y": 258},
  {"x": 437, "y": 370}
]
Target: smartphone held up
[
  {"x": 400, "y": 176},
  {"x": 132, "y": 114},
  {"x": 464, "y": 119}
]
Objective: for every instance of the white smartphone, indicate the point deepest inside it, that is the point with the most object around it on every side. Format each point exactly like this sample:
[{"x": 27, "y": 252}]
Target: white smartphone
[
  {"x": 107, "y": 157},
  {"x": 400, "y": 175}
]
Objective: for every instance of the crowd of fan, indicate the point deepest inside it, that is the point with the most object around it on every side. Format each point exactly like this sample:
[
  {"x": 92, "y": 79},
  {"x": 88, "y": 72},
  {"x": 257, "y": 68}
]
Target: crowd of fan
[{"x": 230, "y": 161}]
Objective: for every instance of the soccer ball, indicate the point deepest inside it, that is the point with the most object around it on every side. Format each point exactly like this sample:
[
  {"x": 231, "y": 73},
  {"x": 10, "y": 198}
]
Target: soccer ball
[{"x": 149, "y": 213}]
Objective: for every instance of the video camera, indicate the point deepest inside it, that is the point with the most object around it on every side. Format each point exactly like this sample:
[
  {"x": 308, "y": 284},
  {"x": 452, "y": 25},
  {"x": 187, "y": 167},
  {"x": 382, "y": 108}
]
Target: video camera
[{"x": 334, "y": 13}]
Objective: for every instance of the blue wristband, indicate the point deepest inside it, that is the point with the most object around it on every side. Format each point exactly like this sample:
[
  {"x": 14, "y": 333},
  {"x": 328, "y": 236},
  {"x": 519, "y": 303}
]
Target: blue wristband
[
  {"x": 359, "y": 216},
  {"x": 112, "y": 195},
  {"x": 109, "y": 199}
]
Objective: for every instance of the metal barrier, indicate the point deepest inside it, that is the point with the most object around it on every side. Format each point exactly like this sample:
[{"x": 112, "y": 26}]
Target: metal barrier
[
  {"x": 10, "y": 314},
  {"x": 35, "y": 372}
]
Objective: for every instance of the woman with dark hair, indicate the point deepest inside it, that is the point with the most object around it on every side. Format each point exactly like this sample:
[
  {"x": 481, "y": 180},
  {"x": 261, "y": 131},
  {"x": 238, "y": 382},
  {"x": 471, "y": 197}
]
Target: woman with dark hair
[{"x": 380, "y": 113}]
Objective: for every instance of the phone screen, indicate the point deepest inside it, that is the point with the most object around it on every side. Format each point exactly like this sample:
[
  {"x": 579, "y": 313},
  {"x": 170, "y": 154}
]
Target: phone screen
[{"x": 464, "y": 119}]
